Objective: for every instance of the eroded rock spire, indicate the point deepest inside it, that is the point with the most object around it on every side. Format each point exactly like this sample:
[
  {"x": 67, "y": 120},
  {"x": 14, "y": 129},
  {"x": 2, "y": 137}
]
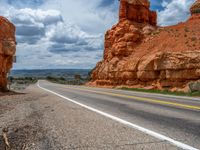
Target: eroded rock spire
[{"x": 138, "y": 11}]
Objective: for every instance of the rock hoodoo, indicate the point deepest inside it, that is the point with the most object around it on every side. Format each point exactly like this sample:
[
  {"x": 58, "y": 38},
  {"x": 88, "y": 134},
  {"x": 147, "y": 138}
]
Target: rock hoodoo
[
  {"x": 7, "y": 50},
  {"x": 139, "y": 54},
  {"x": 195, "y": 9},
  {"x": 138, "y": 11}
]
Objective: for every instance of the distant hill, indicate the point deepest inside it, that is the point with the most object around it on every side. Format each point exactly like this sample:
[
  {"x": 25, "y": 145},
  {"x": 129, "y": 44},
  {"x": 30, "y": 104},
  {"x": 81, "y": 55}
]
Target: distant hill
[{"x": 66, "y": 73}]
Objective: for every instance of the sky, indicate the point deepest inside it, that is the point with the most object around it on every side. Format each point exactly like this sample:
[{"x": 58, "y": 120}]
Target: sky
[{"x": 65, "y": 34}]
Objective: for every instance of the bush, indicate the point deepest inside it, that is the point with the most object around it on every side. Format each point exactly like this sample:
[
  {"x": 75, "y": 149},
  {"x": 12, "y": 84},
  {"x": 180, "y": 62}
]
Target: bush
[
  {"x": 62, "y": 79},
  {"x": 194, "y": 86}
]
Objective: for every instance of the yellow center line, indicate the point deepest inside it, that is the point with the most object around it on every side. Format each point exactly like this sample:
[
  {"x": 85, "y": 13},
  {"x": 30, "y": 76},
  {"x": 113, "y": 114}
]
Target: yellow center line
[{"x": 142, "y": 99}]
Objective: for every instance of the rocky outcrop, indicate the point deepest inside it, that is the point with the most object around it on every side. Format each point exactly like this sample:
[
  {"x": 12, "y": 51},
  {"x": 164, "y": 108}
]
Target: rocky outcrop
[
  {"x": 7, "y": 50},
  {"x": 139, "y": 54},
  {"x": 195, "y": 10},
  {"x": 138, "y": 11}
]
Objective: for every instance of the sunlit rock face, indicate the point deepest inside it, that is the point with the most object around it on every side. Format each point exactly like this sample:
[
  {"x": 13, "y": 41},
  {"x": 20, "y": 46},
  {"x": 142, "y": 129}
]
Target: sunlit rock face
[
  {"x": 7, "y": 50},
  {"x": 195, "y": 10},
  {"x": 139, "y": 54},
  {"x": 138, "y": 11}
]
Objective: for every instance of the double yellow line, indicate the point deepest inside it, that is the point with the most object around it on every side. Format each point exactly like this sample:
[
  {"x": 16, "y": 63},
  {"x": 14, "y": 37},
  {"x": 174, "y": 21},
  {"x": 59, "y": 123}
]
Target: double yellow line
[{"x": 161, "y": 102}]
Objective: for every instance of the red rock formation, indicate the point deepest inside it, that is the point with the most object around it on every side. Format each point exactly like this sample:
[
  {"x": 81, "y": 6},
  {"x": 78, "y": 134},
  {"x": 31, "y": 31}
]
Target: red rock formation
[
  {"x": 138, "y": 11},
  {"x": 138, "y": 54},
  {"x": 195, "y": 10},
  {"x": 7, "y": 50}
]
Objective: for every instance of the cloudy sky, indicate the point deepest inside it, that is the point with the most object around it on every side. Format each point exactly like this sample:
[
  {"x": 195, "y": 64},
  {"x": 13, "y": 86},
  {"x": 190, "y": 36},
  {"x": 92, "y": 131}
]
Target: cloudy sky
[{"x": 70, "y": 33}]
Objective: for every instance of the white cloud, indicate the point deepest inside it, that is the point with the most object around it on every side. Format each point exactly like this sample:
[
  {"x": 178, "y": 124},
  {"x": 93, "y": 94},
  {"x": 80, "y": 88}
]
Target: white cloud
[
  {"x": 86, "y": 13},
  {"x": 42, "y": 35},
  {"x": 174, "y": 12},
  {"x": 65, "y": 30}
]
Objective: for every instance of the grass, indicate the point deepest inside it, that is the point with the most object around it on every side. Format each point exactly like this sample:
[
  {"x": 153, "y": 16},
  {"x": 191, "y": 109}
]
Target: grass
[{"x": 165, "y": 92}]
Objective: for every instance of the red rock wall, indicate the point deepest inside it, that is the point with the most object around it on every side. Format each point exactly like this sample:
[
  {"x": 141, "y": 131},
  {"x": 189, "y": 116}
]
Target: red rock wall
[
  {"x": 134, "y": 11},
  {"x": 7, "y": 50},
  {"x": 141, "y": 55},
  {"x": 195, "y": 8}
]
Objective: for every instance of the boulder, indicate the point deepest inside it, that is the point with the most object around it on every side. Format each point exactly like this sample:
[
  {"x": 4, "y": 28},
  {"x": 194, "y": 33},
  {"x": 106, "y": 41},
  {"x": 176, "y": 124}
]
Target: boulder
[
  {"x": 7, "y": 50},
  {"x": 194, "y": 86}
]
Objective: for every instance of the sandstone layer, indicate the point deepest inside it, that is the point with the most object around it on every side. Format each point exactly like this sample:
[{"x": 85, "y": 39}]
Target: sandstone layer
[
  {"x": 7, "y": 50},
  {"x": 138, "y": 11},
  {"x": 140, "y": 54}
]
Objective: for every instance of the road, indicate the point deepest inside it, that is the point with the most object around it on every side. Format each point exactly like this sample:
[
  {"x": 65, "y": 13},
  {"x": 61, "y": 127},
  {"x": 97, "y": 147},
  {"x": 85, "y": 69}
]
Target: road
[{"x": 177, "y": 118}]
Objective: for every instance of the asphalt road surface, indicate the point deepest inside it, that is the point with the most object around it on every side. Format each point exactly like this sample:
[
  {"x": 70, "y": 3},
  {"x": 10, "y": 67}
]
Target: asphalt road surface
[{"x": 175, "y": 118}]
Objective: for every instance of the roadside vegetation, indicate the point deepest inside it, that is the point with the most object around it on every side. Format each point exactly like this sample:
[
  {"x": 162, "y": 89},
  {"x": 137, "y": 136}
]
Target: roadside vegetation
[
  {"x": 166, "y": 92},
  {"x": 20, "y": 79},
  {"x": 76, "y": 80},
  {"x": 18, "y": 83}
]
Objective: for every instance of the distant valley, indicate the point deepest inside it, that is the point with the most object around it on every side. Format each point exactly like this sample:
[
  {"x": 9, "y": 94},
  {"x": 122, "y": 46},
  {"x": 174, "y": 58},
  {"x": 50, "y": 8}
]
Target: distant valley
[{"x": 65, "y": 73}]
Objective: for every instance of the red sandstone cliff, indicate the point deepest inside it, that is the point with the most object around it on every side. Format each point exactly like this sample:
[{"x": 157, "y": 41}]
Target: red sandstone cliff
[
  {"x": 138, "y": 11},
  {"x": 139, "y": 54},
  {"x": 7, "y": 50}
]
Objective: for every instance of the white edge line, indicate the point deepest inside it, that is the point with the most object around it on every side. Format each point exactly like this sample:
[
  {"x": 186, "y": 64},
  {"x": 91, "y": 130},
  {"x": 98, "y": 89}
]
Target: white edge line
[{"x": 142, "y": 129}]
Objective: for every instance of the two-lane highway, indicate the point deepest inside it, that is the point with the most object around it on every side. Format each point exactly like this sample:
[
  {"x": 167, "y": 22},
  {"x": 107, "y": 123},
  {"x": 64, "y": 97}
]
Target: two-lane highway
[{"x": 177, "y": 118}]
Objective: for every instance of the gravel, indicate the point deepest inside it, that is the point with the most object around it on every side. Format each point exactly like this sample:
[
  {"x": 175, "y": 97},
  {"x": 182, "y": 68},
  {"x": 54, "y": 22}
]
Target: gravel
[{"x": 37, "y": 120}]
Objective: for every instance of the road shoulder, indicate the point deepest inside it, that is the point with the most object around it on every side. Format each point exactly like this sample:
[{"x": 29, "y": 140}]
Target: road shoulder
[{"x": 39, "y": 120}]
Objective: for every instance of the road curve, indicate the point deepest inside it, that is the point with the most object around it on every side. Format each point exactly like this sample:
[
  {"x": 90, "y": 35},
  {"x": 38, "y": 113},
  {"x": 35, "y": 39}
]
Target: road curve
[{"x": 175, "y": 117}]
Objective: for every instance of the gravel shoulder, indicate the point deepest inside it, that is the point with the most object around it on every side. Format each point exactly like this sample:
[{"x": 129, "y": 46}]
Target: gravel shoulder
[{"x": 37, "y": 120}]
